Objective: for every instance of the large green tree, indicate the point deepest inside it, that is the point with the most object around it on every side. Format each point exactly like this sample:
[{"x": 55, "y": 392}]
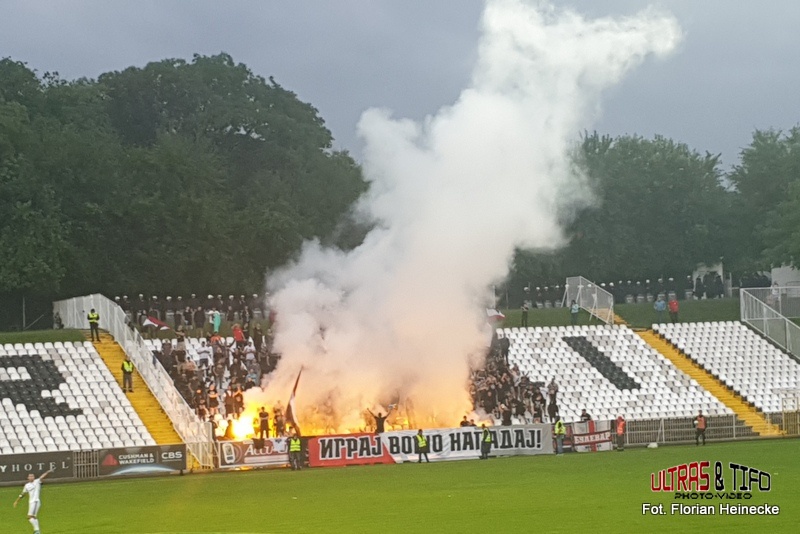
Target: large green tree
[
  {"x": 181, "y": 176},
  {"x": 660, "y": 208},
  {"x": 767, "y": 186}
]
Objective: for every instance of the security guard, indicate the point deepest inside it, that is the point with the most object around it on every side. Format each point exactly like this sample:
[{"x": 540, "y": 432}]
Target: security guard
[
  {"x": 94, "y": 325},
  {"x": 127, "y": 374},
  {"x": 486, "y": 443},
  {"x": 422, "y": 446},
  {"x": 295, "y": 452},
  {"x": 560, "y": 431}
]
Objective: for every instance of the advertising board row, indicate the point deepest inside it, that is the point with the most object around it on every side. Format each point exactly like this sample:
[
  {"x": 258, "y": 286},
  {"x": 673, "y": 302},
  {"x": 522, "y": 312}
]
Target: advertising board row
[
  {"x": 107, "y": 462},
  {"x": 401, "y": 446}
]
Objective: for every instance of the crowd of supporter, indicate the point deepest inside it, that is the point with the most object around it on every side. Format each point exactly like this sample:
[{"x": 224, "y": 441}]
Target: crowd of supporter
[
  {"x": 193, "y": 312},
  {"x": 214, "y": 381},
  {"x": 502, "y": 392}
]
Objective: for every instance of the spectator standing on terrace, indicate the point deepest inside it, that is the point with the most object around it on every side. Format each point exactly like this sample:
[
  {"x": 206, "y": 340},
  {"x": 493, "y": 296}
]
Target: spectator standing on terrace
[
  {"x": 238, "y": 336},
  {"x": 213, "y": 400},
  {"x": 620, "y": 424},
  {"x": 559, "y": 431},
  {"x": 700, "y": 424},
  {"x": 673, "y": 310},
  {"x": 94, "y": 325},
  {"x": 204, "y": 355},
  {"x": 380, "y": 420},
  {"x": 199, "y": 320},
  {"x": 585, "y": 417},
  {"x": 464, "y": 422},
  {"x": 250, "y": 352},
  {"x": 552, "y": 390},
  {"x": 505, "y": 415},
  {"x": 486, "y": 442},
  {"x": 127, "y": 375},
  {"x": 422, "y": 446},
  {"x": 660, "y": 306},
  {"x": 574, "y": 310},
  {"x": 230, "y": 403},
  {"x": 263, "y": 420},
  {"x": 238, "y": 401},
  {"x": 505, "y": 347},
  {"x": 539, "y": 406},
  {"x": 552, "y": 410},
  {"x": 216, "y": 320},
  {"x": 280, "y": 424}
]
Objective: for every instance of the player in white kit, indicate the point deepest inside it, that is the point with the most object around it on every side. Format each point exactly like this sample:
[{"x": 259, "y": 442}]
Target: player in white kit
[{"x": 32, "y": 488}]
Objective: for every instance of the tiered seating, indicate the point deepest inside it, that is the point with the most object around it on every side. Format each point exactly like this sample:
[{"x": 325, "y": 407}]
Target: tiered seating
[
  {"x": 625, "y": 374},
  {"x": 738, "y": 357},
  {"x": 61, "y": 397}
]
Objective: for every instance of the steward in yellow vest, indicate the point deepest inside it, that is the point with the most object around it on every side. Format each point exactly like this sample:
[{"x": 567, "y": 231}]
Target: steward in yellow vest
[{"x": 422, "y": 446}]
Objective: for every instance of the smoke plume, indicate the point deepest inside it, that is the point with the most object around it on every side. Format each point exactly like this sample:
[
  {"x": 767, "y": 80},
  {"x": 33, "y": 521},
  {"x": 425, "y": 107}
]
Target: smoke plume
[{"x": 402, "y": 316}]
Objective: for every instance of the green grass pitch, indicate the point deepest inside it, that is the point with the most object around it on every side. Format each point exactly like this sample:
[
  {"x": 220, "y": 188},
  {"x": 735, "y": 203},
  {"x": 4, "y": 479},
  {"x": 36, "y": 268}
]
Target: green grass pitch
[{"x": 601, "y": 492}]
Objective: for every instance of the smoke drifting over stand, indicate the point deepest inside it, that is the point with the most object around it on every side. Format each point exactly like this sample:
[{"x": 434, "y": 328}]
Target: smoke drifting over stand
[{"x": 403, "y": 314}]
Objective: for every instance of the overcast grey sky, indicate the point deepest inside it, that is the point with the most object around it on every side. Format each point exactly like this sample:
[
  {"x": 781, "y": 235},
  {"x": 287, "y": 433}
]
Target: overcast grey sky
[{"x": 736, "y": 70}]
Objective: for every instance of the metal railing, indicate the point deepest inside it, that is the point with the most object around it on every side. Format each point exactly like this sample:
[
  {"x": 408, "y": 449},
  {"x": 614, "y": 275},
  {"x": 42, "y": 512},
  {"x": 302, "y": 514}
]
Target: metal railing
[
  {"x": 682, "y": 430},
  {"x": 760, "y": 309},
  {"x": 196, "y": 434},
  {"x": 589, "y": 296}
]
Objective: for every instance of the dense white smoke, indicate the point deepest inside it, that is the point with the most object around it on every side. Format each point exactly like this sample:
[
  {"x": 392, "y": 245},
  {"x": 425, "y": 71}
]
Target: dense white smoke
[{"x": 401, "y": 315}]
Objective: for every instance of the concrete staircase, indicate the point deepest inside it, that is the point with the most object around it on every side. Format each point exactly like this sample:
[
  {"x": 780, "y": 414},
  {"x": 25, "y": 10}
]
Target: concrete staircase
[
  {"x": 743, "y": 410},
  {"x": 143, "y": 401}
]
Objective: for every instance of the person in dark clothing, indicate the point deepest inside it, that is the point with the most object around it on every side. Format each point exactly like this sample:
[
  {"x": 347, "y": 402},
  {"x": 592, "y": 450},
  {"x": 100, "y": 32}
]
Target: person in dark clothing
[
  {"x": 230, "y": 403},
  {"x": 464, "y": 422},
  {"x": 505, "y": 346},
  {"x": 199, "y": 320},
  {"x": 238, "y": 401},
  {"x": 524, "y": 321},
  {"x": 263, "y": 420},
  {"x": 380, "y": 420},
  {"x": 552, "y": 390},
  {"x": 552, "y": 411},
  {"x": 585, "y": 416},
  {"x": 505, "y": 415}
]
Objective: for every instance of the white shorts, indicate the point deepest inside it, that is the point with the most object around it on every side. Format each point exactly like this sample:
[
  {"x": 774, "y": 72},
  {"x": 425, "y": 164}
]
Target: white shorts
[{"x": 33, "y": 508}]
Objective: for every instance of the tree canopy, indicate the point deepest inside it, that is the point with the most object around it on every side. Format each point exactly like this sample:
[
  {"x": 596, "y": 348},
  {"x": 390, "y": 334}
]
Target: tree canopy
[
  {"x": 199, "y": 176},
  {"x": 201, "y": 173}
]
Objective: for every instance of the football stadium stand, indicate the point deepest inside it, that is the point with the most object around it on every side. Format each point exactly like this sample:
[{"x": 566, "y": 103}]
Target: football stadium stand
[
  {"x": 738, "y": 357},
  {"x": 608, "y": 370},
  {"x": 62, "y": 397}
]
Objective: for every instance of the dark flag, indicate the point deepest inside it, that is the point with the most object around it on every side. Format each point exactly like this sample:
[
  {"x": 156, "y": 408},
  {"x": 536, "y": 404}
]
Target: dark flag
[{"x": 291, "y": 412}]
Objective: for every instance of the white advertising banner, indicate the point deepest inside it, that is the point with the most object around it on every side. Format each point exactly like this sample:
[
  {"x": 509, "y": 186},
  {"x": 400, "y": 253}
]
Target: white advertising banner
[{"x": 465, "y": 442}]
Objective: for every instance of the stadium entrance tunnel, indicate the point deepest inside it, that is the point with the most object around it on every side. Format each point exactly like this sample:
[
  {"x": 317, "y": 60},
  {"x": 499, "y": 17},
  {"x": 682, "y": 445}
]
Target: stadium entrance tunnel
[
  {"x": 601, "y": 362},
  {"x": 26, "y": 377}
]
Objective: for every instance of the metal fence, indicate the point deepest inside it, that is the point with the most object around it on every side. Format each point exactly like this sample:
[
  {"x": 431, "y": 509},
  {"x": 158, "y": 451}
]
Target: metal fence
[
  {"x": 759, "y": 308},
  {"x": 682, "y": 430},
  {"x": 589, "y": 296},
  {"x": 196, "y": 434}
]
